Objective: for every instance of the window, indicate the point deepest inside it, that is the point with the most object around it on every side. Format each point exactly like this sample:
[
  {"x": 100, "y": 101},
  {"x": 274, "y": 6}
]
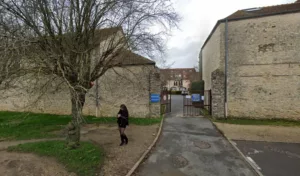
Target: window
[{"x": 252, "y": 9}]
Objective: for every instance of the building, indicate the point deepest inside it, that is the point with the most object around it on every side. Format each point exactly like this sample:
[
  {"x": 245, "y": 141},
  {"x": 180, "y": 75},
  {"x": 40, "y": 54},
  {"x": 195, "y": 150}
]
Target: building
[
  {"x": 178, "y": 79},
  {"x": 131, "y": 84},
  {"x": 251, "y": 63}
]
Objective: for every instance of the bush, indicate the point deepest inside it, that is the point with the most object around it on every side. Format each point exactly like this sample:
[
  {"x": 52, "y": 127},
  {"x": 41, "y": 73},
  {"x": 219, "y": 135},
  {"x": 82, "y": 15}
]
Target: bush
[
  {"x": 173, "y": 92},
  {"x": 197, "y": 86}
]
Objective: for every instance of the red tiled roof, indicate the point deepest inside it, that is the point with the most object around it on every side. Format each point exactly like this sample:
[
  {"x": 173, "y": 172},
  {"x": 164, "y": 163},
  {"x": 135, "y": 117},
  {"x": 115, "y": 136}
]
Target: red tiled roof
[{"x": 186, "y": 73}]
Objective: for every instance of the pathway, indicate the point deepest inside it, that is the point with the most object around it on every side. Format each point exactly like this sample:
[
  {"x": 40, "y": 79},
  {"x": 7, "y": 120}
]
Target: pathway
[{"x": 192, "y": 146}]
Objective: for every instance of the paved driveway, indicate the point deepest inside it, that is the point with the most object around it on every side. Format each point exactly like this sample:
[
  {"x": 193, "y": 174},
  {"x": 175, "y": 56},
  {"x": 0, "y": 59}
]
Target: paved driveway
[
  {"x": 177, "y": 105},
  {"x": 273, "y": 158},
  {"x": 193, "y": 147}
]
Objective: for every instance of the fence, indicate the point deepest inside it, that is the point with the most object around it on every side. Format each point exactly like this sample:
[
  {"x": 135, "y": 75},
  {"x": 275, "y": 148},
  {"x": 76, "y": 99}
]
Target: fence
[{"x": 197, "y": 103}]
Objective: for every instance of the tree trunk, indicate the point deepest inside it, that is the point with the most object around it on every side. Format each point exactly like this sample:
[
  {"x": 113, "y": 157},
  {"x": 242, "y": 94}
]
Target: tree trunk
[{"x": 73, "y": 128}]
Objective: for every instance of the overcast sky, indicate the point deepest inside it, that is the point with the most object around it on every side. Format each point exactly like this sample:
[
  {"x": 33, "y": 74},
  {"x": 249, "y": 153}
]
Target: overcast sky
[{"x": 199, "y": 17}]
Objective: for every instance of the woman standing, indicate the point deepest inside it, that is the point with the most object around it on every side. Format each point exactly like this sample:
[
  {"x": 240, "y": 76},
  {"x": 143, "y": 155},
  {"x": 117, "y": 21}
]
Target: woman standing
[{"x": 123, "y": 122}]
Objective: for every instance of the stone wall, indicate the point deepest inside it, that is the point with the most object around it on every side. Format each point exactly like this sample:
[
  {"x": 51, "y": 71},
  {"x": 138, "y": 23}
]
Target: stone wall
[
  {"x": 130, "y": 85},
  {"x": 217, "y": 93},
  {"x": 264, "y": 67},
  {"x": 156, "y": 89},
  {"x": 211, "y": 56}
]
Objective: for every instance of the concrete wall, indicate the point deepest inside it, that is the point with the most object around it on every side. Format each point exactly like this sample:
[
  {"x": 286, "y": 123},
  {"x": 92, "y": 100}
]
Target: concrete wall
[
  {"x": 128, "y": 85},
  {"x": 264, "y": 67},
  {"x": 211, "y": 55}
]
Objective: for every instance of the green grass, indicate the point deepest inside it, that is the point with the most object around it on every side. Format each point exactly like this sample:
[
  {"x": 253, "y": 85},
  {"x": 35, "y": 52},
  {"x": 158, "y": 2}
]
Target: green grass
[
  {"x": 16, "y": 125},
  {"x": 113, "y": 120},
  {"x": 84, "y": 161},
  {"x": 248, "y": 121},
  {"x": 21, "y": 126}
]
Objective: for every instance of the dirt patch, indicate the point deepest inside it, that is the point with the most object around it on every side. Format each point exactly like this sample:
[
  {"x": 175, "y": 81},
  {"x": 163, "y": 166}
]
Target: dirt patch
[
  {"x": 16, "y": 164},
  {"x": 119, "y": 160},
  {"x": 261, "y": 133}
]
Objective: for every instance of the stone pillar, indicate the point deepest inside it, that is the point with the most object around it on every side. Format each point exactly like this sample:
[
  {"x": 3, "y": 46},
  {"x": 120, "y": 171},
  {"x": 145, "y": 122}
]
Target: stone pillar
[
  {"x": 217, "y": 93},
  {"x": 155, "y": 88}
]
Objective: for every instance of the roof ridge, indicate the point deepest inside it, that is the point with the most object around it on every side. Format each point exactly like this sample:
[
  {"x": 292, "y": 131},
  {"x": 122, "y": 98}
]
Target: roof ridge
[{"x": 271, "y": 5}]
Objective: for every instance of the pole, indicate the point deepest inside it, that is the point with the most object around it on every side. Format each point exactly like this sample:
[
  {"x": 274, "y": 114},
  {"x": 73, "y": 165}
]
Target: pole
[
  {"x": 226, "y": 66},
  {"x": 97, "y": 97}
]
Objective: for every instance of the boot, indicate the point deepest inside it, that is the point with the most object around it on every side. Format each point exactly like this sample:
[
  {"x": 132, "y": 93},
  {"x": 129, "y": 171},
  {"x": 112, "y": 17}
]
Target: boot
[
  {"x": 122, "y": 140},
  {"x": 126, "y": 139}
]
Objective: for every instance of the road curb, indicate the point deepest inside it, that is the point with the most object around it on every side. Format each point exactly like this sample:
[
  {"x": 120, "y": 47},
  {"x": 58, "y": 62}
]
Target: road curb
[
  {"x": 137, "y": 164},
  {"x": 258, "y": 173}
]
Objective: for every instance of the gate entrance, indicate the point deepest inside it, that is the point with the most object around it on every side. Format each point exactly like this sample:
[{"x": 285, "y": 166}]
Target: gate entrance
[
  {"x": 197, "y": 103},
  {"x": 165, "y": 102}
]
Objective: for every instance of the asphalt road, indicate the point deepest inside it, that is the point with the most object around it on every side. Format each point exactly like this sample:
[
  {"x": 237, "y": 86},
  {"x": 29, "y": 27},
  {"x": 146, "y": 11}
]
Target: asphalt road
[
  {"x": 192, "y": 146},
  {"x": 272, "y": 158},
  {"x": 177, "y": 105}
]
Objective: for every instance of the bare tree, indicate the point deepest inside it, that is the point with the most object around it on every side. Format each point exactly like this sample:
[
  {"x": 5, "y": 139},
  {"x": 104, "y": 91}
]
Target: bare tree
[
  {"x": 77, "y": 41},
  {"x": 10, "y": 70}
]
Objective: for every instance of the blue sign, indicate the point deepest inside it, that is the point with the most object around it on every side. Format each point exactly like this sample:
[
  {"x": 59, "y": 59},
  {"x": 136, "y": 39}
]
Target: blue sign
[
  {"x": 155, "y": 98},
  {"x": 196, "y": 97}
]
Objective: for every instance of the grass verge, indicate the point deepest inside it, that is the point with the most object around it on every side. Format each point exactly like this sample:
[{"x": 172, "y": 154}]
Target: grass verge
[
  {"x": 132, "y": 120},
  {"x": 21, "y": 126},
  {"x": 270, "y": 122},
  {"x": 84, "y": 161}
]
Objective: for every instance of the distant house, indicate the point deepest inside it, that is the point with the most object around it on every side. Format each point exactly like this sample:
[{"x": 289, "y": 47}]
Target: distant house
[
  {"x": 261, "y": 49},
  {"x": 178, "y": 79}
]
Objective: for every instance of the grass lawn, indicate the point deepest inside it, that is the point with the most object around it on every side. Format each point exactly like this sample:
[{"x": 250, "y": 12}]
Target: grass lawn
[
  {"x": 271, "y": 122},
  {"x": 20, "y": 126},
  {"x": 84, "y": 161}
]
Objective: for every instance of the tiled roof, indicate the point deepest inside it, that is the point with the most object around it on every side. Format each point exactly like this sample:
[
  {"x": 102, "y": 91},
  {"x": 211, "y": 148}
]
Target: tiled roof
[
  {"x": 258, "y": 12},
  {"x": 127, "y": 58},
  {"x": 265, "y": 11},
  {"x": 186, "y": 73}
]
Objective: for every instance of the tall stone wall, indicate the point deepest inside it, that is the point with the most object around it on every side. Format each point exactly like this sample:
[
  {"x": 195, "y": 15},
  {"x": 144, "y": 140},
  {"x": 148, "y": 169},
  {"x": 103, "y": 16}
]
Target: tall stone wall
[
  {"x": 211, "y": 56},
  {"x": 156, "y": 89},
  {"x": 264, "y": 67},
  {"x": 217, "y": 93},
  {"x": 130, "y": 85}
]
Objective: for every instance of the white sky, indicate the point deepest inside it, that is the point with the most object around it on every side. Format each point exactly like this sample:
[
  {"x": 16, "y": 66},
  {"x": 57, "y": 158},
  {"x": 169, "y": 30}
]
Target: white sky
[{"x": 198, "y": 19}]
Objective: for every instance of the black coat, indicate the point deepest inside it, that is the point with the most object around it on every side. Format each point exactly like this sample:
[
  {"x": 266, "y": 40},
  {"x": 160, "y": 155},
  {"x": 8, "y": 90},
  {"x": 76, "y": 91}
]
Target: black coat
[{"x": 124, "y": 117}]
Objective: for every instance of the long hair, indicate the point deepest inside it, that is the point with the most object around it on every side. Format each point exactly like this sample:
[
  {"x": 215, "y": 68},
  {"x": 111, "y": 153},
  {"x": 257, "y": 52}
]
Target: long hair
[{"x": 124, "y": 108}]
